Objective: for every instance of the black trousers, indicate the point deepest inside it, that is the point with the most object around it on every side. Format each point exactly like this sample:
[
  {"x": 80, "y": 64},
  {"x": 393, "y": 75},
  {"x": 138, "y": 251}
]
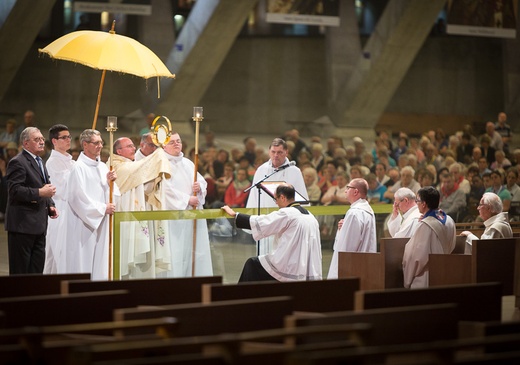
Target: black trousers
[
  {"x": 254, "y": 271},
  {"x": 26, "y": 253}
]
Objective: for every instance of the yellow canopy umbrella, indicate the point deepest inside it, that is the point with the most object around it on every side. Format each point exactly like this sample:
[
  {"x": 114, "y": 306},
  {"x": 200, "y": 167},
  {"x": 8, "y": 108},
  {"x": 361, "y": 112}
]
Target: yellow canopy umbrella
[{"x": 107, "y": 51}]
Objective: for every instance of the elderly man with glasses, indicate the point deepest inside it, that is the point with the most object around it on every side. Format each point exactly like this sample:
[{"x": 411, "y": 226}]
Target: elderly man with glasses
[
  {"x": 435, "y": 233},
  {"x": 357, "y": 230},
  {"x": 88, "y": 222},
  {"x": 495, "y": 220},
  {"x": 28, "y": 206},
  {"x": 405, "y": 214}
]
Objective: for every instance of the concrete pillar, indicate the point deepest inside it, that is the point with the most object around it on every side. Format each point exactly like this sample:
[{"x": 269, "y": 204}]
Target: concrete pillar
[{"x": 17, "y": 36}]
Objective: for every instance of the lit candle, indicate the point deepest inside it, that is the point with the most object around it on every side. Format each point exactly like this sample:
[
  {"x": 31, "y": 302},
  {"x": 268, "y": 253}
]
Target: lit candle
[
  {"x": 111, "y": 122},
  {"x": 197, "y": 112}
]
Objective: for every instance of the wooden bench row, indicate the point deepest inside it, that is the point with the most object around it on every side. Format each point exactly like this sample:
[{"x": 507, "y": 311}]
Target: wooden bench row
[{"x": 230, "y": 323}]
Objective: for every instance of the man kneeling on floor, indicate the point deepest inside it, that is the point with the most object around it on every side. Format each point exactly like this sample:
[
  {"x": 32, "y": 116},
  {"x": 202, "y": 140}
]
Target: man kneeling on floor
[{"x": 297, "y": 253}]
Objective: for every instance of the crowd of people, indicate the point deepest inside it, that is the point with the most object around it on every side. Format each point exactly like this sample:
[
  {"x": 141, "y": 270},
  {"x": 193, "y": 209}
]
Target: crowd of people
[{"x": 402, "y": 171}]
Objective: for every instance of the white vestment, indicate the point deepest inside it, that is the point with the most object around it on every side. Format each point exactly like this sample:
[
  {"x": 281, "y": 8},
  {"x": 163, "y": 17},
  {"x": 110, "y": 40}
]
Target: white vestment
[
  {"x": 358, "y": 233},
  {"x": 405, "y": 225},
  {"x": 297, "y": 255},
  {"x": 59, "y": 167},
  {"x": 137, "y": 250},
  {"x": 291, "y": 175},
  {"x": 87, "y": 222},
  {"x": 497, "y": 226},
  {"x": 176, "y": 193},
  {"x": 431, "y": 236}
]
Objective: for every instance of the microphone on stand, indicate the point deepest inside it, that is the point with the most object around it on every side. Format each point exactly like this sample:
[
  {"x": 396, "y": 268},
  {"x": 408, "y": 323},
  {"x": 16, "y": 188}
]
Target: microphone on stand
[{"x": 283, "y": 167}]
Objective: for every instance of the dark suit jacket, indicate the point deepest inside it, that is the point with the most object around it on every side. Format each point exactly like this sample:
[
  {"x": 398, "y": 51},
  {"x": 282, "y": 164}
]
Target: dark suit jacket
[{"x": 26, "y": 211}]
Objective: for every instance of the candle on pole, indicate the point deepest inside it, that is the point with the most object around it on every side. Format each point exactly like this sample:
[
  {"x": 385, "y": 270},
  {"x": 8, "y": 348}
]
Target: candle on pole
[
  {"x": 111, "y": 128},
  {"x": 198, "y": 116}
]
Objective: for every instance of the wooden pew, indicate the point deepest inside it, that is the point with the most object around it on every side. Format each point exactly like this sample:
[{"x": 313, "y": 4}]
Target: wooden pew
[
  {"x": 309, "y": 296},
  {"x": 56, "y": 309},
  {"x": 378, "y": 270},
  {"x": 218, "y": 317},
  {"x": 462, "y": 351},
  {"x": 148, "y": 291},
  {"x": 393, "y": 326},
  {"x": 475, "y": 302},
  {"x": 35, "y": 284},
  {"x": 53, "y": 344},
  {"x": 490, "y": 261},
  {"x": 257, "y": 347},
  {"x": 198, "y": 319}
]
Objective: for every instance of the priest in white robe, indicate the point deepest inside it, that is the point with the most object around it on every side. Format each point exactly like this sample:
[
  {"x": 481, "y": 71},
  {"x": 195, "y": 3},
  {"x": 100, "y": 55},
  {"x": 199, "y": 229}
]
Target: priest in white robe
[
  {"x": 137, "y": 242},
  {"x": 434, "y": 234},
  {"x": 357, "y": 231},
  {"x": 405, "y": 214},
  {"x": 90, "y": 210},
  {"x": 59, "y": 165},
  {"x": 495, "y": 220},
  {"x": 297, "y": 239},
  {"x": 180, "y": 192},
  {"x": 287, "y": 173}
]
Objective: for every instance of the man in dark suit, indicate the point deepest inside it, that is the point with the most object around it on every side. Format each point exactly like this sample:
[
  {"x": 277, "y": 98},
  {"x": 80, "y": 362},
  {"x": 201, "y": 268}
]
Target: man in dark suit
[{"x": 28, "y": 205}]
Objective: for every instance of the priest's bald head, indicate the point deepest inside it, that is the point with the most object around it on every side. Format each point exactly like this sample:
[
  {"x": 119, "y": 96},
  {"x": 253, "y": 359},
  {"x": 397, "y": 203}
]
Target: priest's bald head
[
  {"x": 356, "y": 189},
  {"x": 124, "y": 147}
]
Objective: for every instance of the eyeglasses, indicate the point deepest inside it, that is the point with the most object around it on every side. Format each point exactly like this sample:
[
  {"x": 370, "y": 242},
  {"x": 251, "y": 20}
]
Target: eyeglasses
[
  {"x": 98, "y": 143},
  {"x": 129, "y": 146},
  {"x": 151, "y": 145},
  {"x": 481, "y": 205},
  {"x": 350, "y": 187},
  {"x": 65, "y": 137},
  {"x": 418, "y": 201},
  {"x": 40, "y": 139}
]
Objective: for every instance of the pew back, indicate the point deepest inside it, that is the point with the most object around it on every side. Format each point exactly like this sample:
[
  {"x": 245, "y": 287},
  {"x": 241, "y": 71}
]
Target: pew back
[
  {"x": 491, "y": 260},
  {"x": 309, "y": 296},
  {"x": 218, "y": 317},
  {"x": 475, "y": 302},
  {"x": 57, "y": 309},
  {"x": 149, "y": 291},
  {"x": 494, "y": 260},
  {"x": 35, "y": 284},
  {"x": 377, "y": 270},
  {"x": 392, "y": 326}
]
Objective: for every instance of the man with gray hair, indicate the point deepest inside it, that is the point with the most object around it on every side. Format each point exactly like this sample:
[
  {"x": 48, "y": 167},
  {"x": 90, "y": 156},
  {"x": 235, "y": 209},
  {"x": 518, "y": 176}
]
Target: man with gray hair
[
  {"x": 29, "y": 204},
  {"x": 405, "y": 214},
  {"x": 495, "y": 221},
  {"x": 88, "y": 198}
]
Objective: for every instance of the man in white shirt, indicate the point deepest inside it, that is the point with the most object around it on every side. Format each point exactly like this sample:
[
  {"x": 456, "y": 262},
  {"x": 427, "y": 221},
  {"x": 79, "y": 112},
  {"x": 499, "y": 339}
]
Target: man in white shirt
[
  {"x": 357, "y": 231},
  {"x": 297, "y": 239},
  {"x": 181, "y": 192},
  {"x": 88, "y": 198},
  {"x": 59, "y": 165},
  {"x": 290, "y": 174},
  {"x": 405, "y": 214}
]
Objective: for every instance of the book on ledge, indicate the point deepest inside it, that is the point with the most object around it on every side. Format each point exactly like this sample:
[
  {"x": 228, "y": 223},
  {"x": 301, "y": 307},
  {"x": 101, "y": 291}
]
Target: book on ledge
[{"x": 270, "y": 188}]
